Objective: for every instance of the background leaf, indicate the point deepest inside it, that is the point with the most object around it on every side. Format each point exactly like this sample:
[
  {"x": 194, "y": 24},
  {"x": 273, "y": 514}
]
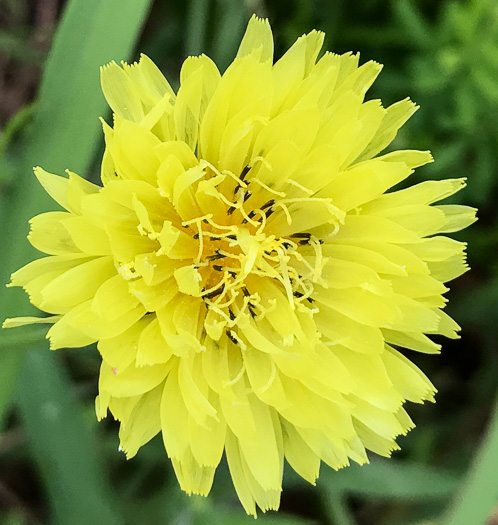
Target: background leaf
[
  {"x": 65, "y": 130},
  {"x": 62, "y": 446}
]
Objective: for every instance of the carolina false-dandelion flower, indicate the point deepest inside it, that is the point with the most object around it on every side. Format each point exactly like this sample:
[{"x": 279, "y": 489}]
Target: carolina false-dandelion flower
[{"x": 243, "y": 270}]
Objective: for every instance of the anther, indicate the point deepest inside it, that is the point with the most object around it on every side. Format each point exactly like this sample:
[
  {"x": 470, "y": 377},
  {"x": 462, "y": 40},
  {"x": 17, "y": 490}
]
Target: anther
[
  {"x": 245, "y": 291},
  {"x": 218, "y": 268},
  {"x": 297, "y": 293},
  {"x": 231, "y": 314},
  {"x": 214, "y": 293},
  {"x": 251, "y": 214},
  {"x": 251, "y": 310},
  {"x": 287, "y": 245},
  {"x": 269, "y": 204},
  {"x": 215, "y": 256},
  {"x": 244, "y": 173},
  {"x": 269, "y": 212},
  {"x": 247, "y": 194},
  {"x": 230, "y": 210},
  {"x": 231, "y": 337},
  {"x": 232, "y": 237},
  {"x": 196, "y": 236},
  {"x": 303, "y": 235}
]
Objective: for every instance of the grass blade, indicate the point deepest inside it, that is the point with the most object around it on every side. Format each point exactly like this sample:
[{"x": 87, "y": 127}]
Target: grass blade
[
  {"x": 479, "y": 493},
  {"x": 197, "y": 20},
  {"x": 61, "y": 444},
  {"x": 391, "y": 479},
  {"x": 65, "y": 129}
]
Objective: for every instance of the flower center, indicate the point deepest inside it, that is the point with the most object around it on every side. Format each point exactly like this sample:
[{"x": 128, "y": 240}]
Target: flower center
[{"x": 238, "y": 250}]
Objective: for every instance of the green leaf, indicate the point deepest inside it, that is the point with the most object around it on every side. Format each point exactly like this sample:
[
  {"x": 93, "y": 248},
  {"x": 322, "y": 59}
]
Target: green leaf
[
  {"x": 61, "y": 444},
  {"x": 231, "y": 19},
  {"x": 197, "y": 21},
  {"x": 413, "y": 22},
  {"x": 478, "y": 495},
  {"x": 337, "y": 508},
  {"x": 391, "y": 479},
  {"x": 65, "y": 130}
]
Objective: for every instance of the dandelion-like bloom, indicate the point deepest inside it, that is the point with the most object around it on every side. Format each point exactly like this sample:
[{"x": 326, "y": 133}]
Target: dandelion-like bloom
[{"x": 243, "y": 270}]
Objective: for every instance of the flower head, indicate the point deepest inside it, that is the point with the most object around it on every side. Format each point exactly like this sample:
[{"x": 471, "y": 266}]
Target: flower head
[{"x": 243, "y": 270}]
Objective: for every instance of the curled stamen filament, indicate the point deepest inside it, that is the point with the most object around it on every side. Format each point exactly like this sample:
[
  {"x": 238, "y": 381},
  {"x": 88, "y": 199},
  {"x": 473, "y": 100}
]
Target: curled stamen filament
[
  {"x": 239, "y": 376},
  {"x": 300, "y": 186},
  {"x": 267, "y": 188}
]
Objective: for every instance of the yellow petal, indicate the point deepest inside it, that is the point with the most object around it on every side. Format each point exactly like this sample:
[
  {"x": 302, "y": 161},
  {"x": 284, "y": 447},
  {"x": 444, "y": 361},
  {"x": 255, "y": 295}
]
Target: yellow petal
[
  {"x": 457, "y": 217},
  {"x": 49, "y": 235},
  {"x": 88, "y": 235},
  {"x": 23, "y": 321},
  {"x": 55, "y": 186},
  {"x": 207, "y": 443},
  {"x": 152, "y": 348},
  {"x": 407, "y": 378},
  {"x": 257, "y": 40},
  {"x": 299, "y": 455},
  {"x": 396, "y": 115},
  {"x": 143, "y": 423},
  {"x": 294, "y": 66},
  {"x": 193, "y": 478},
  {"x": 131, "y": 381},
  {"x": 113, "y": 299},
  {"x": 199, "y": 79},
  {"x": 121, "y": 93},
  {"x": 120, "y": 351},
  {"x": 77, "y": 285}
]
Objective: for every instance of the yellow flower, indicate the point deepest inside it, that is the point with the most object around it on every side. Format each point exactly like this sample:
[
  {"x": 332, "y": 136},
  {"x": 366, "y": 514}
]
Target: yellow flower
[{"x": 243, "y": 270}]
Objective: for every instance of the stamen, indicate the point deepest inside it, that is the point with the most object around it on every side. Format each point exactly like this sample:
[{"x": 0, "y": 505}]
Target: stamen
[
  {"x": 215, "y": 256},
  {"x": 214, "y": 293},
  {"x": 268, "y": 204},
  {"x": 300, "y": 186},
  {"x": 239, "y": 180},
  {"x": 239, "y": 376},
  {"x": 207, "y": 217},
  {"x": 244, "y": 173},
  {"x": 286, "y": 211},
  {"x": 301, "y": 235},
  {"x": 229, "y": 227},
  {"x": 231, "y": 337},
  {"x": 251, "y": 310},
  {"x": 237, "y": 341},
  {"x": 267, "y": 188}
]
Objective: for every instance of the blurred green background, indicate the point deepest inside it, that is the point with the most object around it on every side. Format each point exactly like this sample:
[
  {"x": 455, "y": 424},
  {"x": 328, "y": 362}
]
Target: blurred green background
[{"x": 57, "y": 464}]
